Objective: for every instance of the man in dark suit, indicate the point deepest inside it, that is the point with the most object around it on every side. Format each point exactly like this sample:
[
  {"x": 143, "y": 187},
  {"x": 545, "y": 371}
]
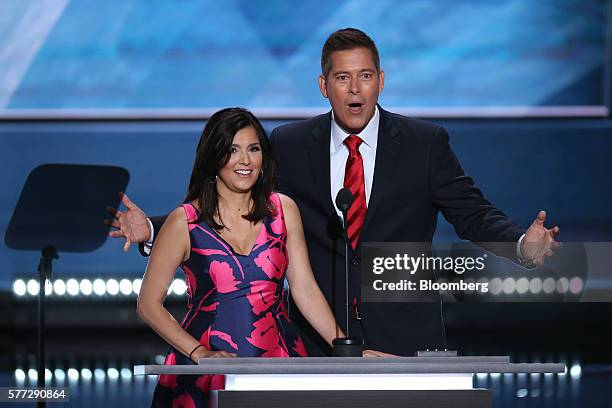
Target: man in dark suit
[{"x": 401, "y": 171}]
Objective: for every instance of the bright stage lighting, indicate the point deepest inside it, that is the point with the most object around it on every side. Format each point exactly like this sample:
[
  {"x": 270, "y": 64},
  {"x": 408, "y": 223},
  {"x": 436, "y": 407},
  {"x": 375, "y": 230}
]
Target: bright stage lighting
[
  {"x": 72, "y": 287},
  {"x": 86, "y": 287},
  {"x": 99, "y": 287},
  {"x": 33, "y": 287},
  {"x": 112, "y": 287},
  {"x": 59, "y": 287},
  {"x": 125, "y": 287},
  {"x": 19, "y": 287}
]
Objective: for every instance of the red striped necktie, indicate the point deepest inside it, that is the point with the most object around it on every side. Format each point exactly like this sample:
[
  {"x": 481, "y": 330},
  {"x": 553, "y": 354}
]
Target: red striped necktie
[{"x": 354, "y": 181}]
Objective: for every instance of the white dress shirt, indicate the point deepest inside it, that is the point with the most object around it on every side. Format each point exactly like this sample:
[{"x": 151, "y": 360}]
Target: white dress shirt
[{"x": 338, "y": 155}]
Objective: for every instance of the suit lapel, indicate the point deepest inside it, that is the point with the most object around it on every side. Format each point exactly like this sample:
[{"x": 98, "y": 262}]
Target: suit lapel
[
  {"x": 384, "y": 168},
  {"x": 318, "y": 152}
]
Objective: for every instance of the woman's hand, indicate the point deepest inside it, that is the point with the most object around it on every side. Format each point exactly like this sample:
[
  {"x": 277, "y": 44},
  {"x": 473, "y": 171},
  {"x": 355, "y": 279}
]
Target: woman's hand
[
  {"x": 205, "y": 353},
  {"x": 374, "y": 353}
]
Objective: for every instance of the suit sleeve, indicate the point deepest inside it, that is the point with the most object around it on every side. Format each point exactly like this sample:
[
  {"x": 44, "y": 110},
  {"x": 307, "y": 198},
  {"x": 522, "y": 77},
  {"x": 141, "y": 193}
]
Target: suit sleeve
[
  {"x": 157, "y": 222},
  {"x": 463, "y": 204},
  {"x": 276, "y": 150}
]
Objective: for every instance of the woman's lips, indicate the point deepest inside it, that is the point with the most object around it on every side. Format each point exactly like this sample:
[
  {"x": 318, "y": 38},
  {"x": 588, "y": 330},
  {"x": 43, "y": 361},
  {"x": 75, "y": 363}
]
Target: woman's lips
[{"x": 243, "y": 173}]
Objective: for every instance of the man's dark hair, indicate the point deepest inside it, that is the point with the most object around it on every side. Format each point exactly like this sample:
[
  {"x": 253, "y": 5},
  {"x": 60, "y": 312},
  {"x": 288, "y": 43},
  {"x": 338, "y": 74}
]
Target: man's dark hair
[
  {"x": 347, "y": 39},
  {"x": 213, "y": 152}
]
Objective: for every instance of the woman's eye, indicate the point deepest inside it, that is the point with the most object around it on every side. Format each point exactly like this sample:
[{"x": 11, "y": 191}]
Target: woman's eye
[
  {"x": 233, "y": 150},
  {"x": 255, "y": 148}
]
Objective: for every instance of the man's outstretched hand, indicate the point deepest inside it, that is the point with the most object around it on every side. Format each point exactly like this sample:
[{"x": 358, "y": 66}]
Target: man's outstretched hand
[
  {"x": 539, "y": 242},
  {"x": 131, "y": 224}
]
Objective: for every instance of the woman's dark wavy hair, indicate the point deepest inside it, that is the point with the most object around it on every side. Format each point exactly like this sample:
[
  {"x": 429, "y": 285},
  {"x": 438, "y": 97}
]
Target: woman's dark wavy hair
[{"x": 213, "y": 152}]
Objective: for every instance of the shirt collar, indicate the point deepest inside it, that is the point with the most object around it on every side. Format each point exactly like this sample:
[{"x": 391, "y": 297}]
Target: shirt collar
[{"x": 369, "y": 134}]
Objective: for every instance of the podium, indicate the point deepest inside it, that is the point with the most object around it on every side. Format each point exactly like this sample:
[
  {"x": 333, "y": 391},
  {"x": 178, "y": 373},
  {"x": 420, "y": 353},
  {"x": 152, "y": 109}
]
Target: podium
[{"x": 353, "y": 382}]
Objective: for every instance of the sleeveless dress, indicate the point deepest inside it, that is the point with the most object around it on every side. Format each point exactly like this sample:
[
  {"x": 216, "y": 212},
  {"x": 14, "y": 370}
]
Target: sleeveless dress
[{"x": 236, "y": 303}]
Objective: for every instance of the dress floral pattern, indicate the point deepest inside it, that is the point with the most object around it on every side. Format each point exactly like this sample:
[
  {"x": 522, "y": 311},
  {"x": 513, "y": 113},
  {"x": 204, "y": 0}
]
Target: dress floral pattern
[{"x": 236, "y": 303}]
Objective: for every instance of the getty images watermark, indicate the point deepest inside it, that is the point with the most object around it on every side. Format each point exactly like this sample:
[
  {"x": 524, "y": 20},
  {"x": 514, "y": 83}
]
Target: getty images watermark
[
  {"x": 407, "y": 264},
  {"x": 466, "y": 272}
]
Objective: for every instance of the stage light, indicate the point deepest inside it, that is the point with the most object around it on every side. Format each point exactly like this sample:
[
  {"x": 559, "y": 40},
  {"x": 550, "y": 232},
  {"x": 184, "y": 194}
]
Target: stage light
[
  {"x": 178, "y": 286},
  {"x": 576, "y": 371},
  {"x": 48, "y": 287},
  {"x": 73, "y": 374},
  {"x": 20, "y": 375},
  {"x": 495, "y": 286},
  {"x": 548, "y": 286},
  {"x": 99, "y": 287},
  {"x": 32, "y": 374},
  {"x": 86, "y": 287},
  {"x": 126, "y": 373},
  {"x": 112, "y": 287},
  {"x": 112, "y": 373},
  {"x": 59, "y": 287},
  {"x": 576, "y": 285},
  {"x": 72, "y": 287},
  {"x": 48, "y": 374},
  {"x": 562, "y": 285},
  {"x": 522, "y": 393},
  {"x": 522, "y": 286},
  {"x": 125, "y": 286},
  {"x": 136, "y": 286},
  {"x": 33, "y": 287},
  {"x": 59, "y": 375},
  {"x": 99, "y": 374},
  {"x": 509, "y": 285},
  {"x": 86, "y": 374},
  {"x": 19, "y": 287},
  {"x": 535, "y": 286}
]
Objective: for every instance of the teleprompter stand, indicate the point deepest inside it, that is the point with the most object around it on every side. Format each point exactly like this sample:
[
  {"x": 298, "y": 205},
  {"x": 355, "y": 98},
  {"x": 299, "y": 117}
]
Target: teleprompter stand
[{"x": 61, "y": 209}]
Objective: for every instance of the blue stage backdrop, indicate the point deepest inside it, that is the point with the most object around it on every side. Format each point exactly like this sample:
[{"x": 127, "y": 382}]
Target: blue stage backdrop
[{"x": 131, "y": 54}]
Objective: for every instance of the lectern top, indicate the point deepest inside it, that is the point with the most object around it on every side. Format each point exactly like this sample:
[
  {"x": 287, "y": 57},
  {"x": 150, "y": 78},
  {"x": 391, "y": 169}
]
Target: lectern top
[{"x": 353, "y": 365}]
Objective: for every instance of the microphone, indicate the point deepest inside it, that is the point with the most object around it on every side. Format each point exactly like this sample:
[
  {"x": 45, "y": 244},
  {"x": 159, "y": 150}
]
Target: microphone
[
  {"x": 344, "y": 199},
  {"x": 346, "y": 346}
]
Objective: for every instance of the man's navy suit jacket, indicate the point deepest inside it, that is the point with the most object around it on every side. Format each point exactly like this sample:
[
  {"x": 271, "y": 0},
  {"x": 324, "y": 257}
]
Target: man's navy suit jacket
[{"x": 416, "y": 175}]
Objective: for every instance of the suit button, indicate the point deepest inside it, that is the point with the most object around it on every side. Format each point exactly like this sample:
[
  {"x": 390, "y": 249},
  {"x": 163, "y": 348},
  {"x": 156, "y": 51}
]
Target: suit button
[{"x": 355, "y": 261}]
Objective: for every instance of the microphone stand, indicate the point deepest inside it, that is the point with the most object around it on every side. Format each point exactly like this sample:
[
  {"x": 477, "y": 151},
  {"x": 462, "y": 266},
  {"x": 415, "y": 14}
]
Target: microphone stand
[{"x": 346, "y": 346}]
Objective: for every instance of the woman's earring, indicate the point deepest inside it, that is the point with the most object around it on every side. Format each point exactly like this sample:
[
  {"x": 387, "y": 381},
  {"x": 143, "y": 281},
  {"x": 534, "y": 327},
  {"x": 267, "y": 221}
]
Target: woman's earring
[{"x": 212, "y": 180}]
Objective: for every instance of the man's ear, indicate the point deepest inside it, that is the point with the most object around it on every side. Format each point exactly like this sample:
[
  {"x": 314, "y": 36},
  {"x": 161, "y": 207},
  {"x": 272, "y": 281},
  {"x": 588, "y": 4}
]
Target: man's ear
[
  {"x": 322, "y": 85},
  {"x": 381, "y": 77}
]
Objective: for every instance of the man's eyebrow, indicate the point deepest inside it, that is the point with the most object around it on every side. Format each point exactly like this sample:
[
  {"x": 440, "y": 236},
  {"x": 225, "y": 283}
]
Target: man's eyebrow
[{"x": 348, "y": 72}]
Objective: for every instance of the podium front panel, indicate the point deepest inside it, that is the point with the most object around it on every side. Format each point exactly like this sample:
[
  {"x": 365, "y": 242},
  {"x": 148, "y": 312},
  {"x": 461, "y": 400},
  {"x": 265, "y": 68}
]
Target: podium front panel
[{"x": 314, "y": 382}]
